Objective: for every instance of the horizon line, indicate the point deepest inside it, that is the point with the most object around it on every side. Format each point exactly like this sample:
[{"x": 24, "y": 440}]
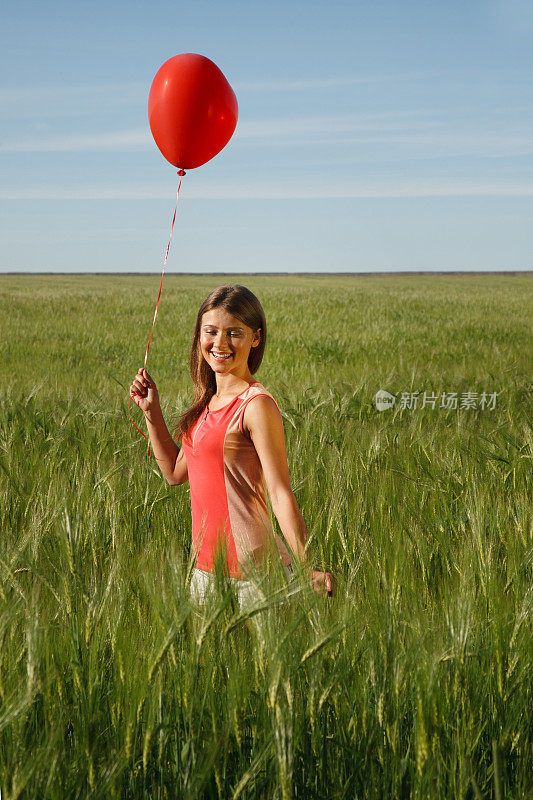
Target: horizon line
[{"x": 512, "y": 271}]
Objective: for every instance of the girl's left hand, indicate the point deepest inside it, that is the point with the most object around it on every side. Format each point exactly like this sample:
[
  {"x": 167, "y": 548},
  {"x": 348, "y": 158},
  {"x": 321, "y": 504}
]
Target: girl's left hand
[{"x": 323, "y": 582}]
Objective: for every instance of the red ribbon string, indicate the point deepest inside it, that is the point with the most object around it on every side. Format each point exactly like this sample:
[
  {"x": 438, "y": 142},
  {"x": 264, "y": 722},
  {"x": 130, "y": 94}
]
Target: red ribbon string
[{"x": 181, "y": 173}]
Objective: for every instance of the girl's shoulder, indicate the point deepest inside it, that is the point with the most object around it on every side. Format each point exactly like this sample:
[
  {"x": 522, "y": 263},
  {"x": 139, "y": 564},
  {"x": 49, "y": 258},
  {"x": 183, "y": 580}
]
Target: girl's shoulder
[{"x": 255, "y": 389}]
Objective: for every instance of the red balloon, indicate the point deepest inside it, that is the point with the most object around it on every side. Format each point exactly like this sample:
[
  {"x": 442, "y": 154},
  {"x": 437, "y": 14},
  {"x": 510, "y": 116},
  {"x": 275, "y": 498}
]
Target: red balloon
[{"x": 192, "y": 110}]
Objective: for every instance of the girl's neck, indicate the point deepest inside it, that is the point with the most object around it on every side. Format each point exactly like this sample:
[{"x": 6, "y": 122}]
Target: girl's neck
[{"x": 232, "y": 387}]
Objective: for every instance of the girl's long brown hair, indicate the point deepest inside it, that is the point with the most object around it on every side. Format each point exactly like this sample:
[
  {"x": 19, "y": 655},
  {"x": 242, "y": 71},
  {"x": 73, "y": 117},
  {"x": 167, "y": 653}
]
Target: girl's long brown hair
[{"x": 240, "y": 302}]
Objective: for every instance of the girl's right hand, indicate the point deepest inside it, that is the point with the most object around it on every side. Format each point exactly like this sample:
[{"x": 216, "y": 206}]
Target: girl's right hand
[{"x": 144, "y": 391}]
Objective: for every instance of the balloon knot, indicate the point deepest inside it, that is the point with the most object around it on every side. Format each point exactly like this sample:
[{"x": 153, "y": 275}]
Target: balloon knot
[{"x": 181, "y": 173}]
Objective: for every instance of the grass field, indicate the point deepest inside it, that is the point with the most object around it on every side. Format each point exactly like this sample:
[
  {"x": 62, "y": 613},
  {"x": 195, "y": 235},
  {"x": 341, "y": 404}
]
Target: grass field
[{"x": 415, "y": 681}]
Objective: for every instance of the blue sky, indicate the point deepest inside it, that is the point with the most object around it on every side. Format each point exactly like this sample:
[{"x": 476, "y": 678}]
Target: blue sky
[{"x": 371, "y": 136}]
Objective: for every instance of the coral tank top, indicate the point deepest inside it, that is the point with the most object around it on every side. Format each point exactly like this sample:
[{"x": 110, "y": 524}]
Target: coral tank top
[{"x": 228, "y": 500}]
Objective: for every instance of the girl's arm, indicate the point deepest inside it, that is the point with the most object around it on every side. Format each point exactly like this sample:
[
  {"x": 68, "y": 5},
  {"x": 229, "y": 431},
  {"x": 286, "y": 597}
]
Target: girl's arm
[
  {"x": 264, "y": 424},
  {"x": 170, "y": 458}
]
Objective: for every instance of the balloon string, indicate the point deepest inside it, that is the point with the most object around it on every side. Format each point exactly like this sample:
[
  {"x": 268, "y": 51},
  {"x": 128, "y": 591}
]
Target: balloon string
[{"x": 181, "y": 173}]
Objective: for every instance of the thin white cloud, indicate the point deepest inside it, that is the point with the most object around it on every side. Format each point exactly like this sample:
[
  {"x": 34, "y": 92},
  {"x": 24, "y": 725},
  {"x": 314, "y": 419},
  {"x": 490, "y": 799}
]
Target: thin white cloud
[
  {"x": 282, "y": 191},
  {"x": 440, "y": 134},
  {"x": 307, "y": 127},
  {"x": 64, "y": 101},
  {"x": 31, "y": 94},
  {"x": 270, "y": 130},
  {"x": 422, "y": 128},
  {"x": 17, "y": 95},
  {"x": 69, "y": 102},
  {"x": 133, "y": 139}
]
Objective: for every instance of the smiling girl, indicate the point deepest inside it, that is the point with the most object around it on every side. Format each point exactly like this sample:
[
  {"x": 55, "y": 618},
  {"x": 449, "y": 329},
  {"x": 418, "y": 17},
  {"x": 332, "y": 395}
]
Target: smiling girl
[{"x": 233, "y": 444}]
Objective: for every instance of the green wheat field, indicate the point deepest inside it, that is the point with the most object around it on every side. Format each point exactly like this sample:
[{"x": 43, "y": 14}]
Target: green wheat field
[{"x": 414, "y": 681}]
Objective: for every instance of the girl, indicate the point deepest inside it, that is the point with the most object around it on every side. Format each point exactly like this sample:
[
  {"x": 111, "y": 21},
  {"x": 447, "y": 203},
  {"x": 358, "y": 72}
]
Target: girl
[{"x": 230, "y": 445}]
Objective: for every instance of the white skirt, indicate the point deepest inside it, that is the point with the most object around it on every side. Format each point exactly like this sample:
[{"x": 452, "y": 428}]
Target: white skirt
[{"x": 248, "y": 593}]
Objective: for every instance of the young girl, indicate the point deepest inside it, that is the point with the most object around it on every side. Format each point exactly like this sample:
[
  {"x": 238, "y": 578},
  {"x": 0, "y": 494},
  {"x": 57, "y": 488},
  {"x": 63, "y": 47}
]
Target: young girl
[{"x": 230, "y": 446}]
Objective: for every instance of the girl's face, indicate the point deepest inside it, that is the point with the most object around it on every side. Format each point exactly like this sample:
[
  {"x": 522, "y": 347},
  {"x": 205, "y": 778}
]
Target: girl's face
[{"x": 225, "y": 342}]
